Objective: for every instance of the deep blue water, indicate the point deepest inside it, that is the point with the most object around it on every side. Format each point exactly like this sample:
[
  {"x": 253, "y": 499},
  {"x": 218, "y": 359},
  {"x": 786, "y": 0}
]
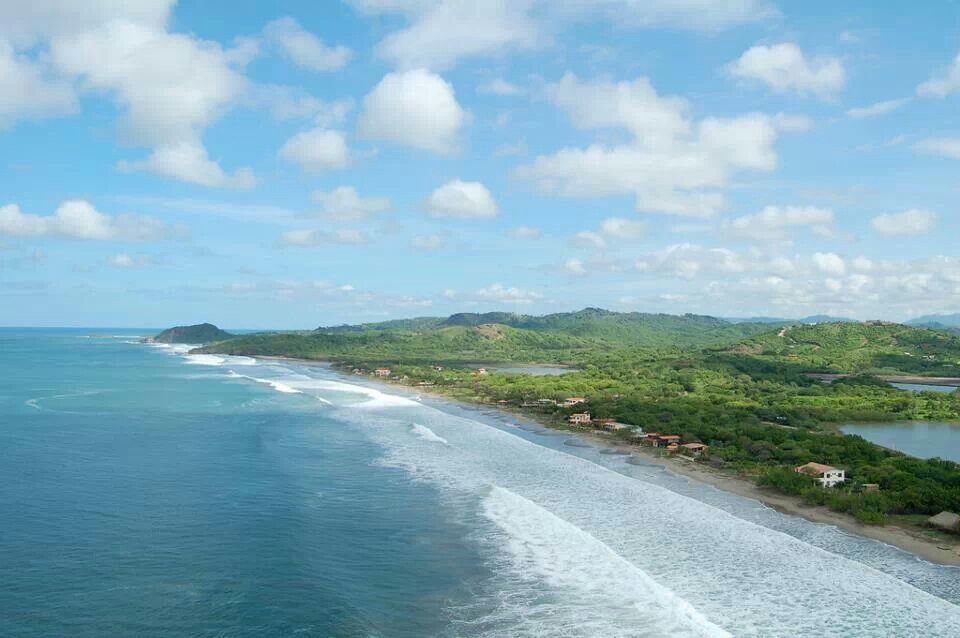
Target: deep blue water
[{"x": 145, "y": 492}]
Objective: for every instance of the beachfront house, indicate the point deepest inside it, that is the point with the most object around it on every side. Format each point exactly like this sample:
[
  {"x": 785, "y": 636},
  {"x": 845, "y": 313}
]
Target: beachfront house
[
  {"x": 579, "y": 418},
  {"x": 666, "y": 440},
  {"x": 826, "y": 475},
  {"x": 650, "y": 438},
  {"x": 569, "y": 402},
  {"x": 695, "y": 450},
  {"x": 382, "y": 372}
]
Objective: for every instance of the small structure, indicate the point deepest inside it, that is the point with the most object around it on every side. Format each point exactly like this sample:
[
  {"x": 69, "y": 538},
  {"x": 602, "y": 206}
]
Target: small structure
[
  {"x": 650, "y": 438},
  {"x": 382, "y": 372},
  {"x": 666, "y": 440},
  {"x": 672, "y": 448},
  {"x": 546, "y": 402},
  {"x": 482, "y": 371},
  {"x": 826, "y": 475},
  {"x": 579, "y": 418},
  {"x": 695, "y": 450},
  {"x": 947, "y": 521},
  {"x": 569, "y": 402},
  {"x": 871, "y": 487}
]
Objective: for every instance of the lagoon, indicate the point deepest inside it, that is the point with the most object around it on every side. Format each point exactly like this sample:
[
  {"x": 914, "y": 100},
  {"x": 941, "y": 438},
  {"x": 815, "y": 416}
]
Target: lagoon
[
  {"x": 925, "y": 387},
  {"x": 925, "y": 439}
]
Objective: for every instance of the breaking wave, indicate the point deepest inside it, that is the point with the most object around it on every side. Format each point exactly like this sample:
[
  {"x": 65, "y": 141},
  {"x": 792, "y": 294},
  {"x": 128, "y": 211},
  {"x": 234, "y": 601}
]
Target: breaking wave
[
  {"x": 276, "y": 385},
  {"x": 427, "y": 434}
]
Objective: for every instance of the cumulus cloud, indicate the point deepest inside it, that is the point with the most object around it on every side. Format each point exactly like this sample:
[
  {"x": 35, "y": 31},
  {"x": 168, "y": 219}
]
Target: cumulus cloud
[
  {"x": 878, "y": 108},
  {"x": 909, "y": 222},
  {"x": 345, "y": 204},
  {"x": 686, "y": 261},
  {"x": 830, "y": 263},
  {"x": 774, "y": 223},
  {"x": 317, "y": 150},
  {"x": 292, "y": 103},
  {"x": 460, "y": 199},
  {"x": 28, "y": 90},
  {"x": 187, "y": 161},
  {"x": 673, "y": 165},
  {"x": 946, "y": 83},
  {"x": 623, "y": 228},
  {"x": 170, "y": 86},
  {"x": 428, "y": 242},
  {"x": 416, "y": 108},
  {"x": 310, "y": 238},
  {"x": 440, "y": 33},
  {"x": 590, "y": 239},
  {"x": 784, "y": 67},
  {"x": 499, "y": 86},
  {"x": 304, "y": 48},
  {"x": 505, "y": 294},
  {"x": 946, "y": 146},
  {"x": 128, "y": 261},
  {"x": 78, "y": 219},
  {"x": 526, "y": 232},
  {"x": 575, "y": 267}
]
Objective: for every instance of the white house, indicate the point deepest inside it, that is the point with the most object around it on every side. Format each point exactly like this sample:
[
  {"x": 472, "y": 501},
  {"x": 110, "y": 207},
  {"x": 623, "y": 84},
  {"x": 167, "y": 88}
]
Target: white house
[{"x": 826, "y": 475}]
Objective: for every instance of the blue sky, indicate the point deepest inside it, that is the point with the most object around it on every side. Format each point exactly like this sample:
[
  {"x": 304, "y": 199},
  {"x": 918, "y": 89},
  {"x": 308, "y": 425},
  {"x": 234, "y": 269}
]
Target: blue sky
[{"x": 291, "y": 164}]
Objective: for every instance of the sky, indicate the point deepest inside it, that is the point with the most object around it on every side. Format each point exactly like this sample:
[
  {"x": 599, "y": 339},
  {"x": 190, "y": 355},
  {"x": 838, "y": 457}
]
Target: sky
[{"x": 291, "y": 164}]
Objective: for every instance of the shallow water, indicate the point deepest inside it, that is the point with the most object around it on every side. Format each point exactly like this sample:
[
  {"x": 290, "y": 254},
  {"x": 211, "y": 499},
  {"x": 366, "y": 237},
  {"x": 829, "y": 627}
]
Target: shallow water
[
  {"x": 144, "y": 491},
  {"x": 925, "y": 439}
]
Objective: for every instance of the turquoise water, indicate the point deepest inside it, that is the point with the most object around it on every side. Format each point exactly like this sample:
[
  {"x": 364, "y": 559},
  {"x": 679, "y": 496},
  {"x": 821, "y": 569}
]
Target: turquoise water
[
  {"x": 146, "y": 492},
  {"x": 925, "y": 439}
]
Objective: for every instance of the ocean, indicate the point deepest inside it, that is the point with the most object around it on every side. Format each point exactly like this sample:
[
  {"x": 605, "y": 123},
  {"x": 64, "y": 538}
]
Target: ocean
[{"x": 148, "y": 492}]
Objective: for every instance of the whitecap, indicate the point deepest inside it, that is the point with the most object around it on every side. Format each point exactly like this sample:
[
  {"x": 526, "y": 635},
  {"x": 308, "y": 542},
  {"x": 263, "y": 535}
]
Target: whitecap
[
  {"x": 427, "y": 434},
  {"x": 204, "y": 359}
]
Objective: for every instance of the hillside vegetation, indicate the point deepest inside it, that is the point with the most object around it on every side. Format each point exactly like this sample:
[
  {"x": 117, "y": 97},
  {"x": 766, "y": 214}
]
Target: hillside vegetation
[
  {"x": 873, "y": 348},
  {"x": 198, "y": 333}
]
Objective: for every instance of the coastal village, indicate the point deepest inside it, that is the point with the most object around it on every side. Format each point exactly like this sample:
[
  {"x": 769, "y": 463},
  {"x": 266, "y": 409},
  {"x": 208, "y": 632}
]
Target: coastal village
[{"x": 575, "y": 414}]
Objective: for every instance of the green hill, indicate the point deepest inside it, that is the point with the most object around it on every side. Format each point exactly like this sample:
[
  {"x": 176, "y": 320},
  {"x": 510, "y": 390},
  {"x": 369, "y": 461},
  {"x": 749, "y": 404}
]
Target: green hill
[
  {"x": 871, "y": 347},
  {"x": 198, "y": 333}
]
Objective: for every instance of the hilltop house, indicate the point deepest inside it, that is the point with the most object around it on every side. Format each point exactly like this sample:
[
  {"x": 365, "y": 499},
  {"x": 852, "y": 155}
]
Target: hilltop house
[
  {"x": 382, "y": 372},
  {"x": 579, "y": 418},
  {"x": 826, "y": 475}
]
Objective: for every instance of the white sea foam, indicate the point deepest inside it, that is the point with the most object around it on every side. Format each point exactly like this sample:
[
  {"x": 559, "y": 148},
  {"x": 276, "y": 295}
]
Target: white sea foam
[
  {"x": 204, "y": 359},
  {"x": 427, "y": 434},
  {"x": 375, "y": 398},
  {"x": 604, "y": 594},
  {"x": 639, "y": 544},
  {"x": 276, "y": 385}
]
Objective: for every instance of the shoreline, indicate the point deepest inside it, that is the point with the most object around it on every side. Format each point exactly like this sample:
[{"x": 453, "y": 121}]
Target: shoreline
[{"x": 908, "y": 540}]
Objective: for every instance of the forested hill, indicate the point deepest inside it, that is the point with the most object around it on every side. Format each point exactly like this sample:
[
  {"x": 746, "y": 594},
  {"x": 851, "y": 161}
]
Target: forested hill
[
  {"x": 871, "y": 347},
  {"x": 198, "y": 333},
  {"x": 631, "y": 329}
]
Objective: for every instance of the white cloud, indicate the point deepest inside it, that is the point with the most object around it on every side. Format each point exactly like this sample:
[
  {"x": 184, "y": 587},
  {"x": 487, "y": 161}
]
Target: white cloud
[
  {"x": 499, "y": 86},
  {"x": 506, "y": 150},
  {"x": 291, "y": 103},
  {"x": 78, "y": 219},
  {"x": 461, "y": 199},
  {"x": 504, "y": 294},
  {"x": 878, "y": 108},
  {"x": 442, "y": 33},
  {"x": 686, "y": 261},
  {"x": 946, "y": 146},
  {"x": 590, "y": 239},
  {"x": 187, "y": 161},
  {"x": 623, "y": 228},
  {"x": 633, "y": 105},
  {"x": 25, "y": 23},
  {"x": 27, "y": 90},
  {"x": 791, "y": 123},
  {"x": 773, "y": 223},
  {"x": 345, "y": 204},
  {"x": 416, "y": 108},
  {"x": 526, "y": 232},
  {"x": 946, "y": 84},
  {"x": 830, "y": 263},
  {"x": 909, "y": 222},
  {"x": 309, "y": 238},
  {"x": 428, "y": 242},
  {"x": 128, "y": 261},
  {"x": 317, "y": 150},
  {"x": 784, "y": 67},
  {"x": 674, "y": 165},
  {"x": 306, "y": 49},
  {"x": 170, "y": 86},
  {"x": 575, "y": 267}
]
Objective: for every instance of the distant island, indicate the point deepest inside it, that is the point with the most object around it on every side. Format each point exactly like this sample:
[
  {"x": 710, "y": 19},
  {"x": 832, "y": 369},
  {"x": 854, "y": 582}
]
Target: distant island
[
  {"x": 744, "y": 398},
  {"x": 200, "y": 333}
]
